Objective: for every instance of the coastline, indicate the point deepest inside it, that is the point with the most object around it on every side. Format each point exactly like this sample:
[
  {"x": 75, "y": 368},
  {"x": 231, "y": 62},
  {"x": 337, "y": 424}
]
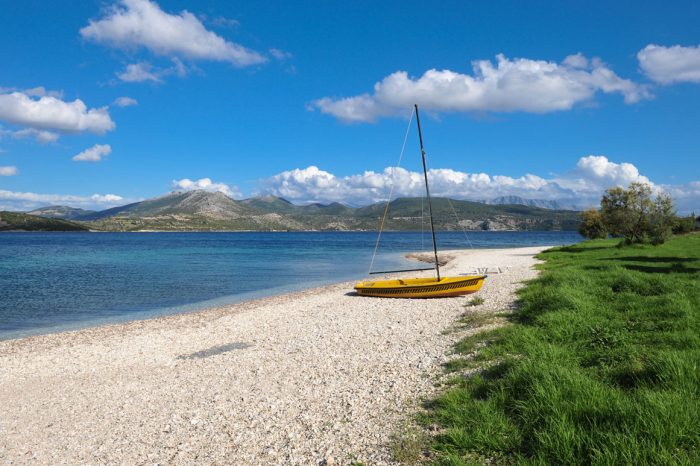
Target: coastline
[{"x": 293, "y": 378}]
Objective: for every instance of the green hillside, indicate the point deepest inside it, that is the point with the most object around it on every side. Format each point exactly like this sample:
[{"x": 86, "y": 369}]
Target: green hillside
[
  {"x": 14, "y": 221},
  {"x": 61, "y": 211}
]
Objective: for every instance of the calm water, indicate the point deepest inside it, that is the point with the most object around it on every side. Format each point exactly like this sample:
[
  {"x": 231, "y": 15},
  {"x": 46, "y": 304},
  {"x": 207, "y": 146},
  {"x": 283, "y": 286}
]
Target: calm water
[{"x": 57, "y": 281}]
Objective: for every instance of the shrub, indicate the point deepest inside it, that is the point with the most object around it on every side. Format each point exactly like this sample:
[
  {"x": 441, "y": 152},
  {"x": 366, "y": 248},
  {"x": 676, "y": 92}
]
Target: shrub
[
  {"x": 685, "y": 224},
  {"x": 592, "y": 225},
  {"x": 662, "y": 219}
]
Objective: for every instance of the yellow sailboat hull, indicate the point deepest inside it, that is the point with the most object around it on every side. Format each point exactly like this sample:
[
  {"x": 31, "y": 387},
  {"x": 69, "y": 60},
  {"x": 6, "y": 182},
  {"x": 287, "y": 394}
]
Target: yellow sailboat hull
[{"x": 421, "y": 287}]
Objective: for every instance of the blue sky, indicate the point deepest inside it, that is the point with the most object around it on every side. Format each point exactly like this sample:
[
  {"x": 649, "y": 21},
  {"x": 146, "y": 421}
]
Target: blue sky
[{"x": 307, "y": 100}]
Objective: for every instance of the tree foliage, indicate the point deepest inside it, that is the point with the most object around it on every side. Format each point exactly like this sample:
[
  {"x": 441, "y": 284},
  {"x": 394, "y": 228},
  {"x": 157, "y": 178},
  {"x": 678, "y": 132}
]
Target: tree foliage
[
  {"x": 634, "y": 215},
  {"x": 592, "y": 225}
]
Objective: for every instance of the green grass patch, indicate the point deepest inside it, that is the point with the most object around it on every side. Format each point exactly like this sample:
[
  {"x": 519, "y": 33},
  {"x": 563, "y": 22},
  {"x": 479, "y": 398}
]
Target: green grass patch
[
  {"x": 475, "y": 301},
  {"x": 409, "y": 444},
  {"x": 599, "y": 366}
]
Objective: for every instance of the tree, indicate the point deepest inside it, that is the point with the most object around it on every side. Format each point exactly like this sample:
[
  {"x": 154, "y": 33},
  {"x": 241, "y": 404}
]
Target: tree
[
  {"x": 626, "y": 211},
  {"x": 632, "y": 214},
  {"x": 662, "y": 219},
  {"x": 592, "y": 225}
]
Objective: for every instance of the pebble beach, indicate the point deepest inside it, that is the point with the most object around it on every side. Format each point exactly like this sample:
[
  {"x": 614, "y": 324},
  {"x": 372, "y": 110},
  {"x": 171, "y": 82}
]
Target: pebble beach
[{"x": 320, "y": 376}]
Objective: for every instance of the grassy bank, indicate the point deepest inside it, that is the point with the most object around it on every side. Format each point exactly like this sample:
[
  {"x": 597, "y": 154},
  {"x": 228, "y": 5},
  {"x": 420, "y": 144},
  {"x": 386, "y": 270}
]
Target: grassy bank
[{"x": 600, "y": 365}]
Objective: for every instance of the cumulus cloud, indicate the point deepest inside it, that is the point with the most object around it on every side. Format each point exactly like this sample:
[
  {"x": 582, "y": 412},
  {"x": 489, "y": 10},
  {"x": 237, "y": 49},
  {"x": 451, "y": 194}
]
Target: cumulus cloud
[
  {"x": 517, "y": 85},
  {"x": 13, "y": 200},
  {"x": 312, "y": 184},
  {"x": 8, "y": 171},
  {"x": 668, "y": 65},
  {"x": 142, "y": 23},
  {"x": 125, "y": 102},
  {"x": 43, "y": 115},
  {"x": 582, "y": 186},
  {"x": 94, "y": 154},
  {"x": 207, "y": 184}
]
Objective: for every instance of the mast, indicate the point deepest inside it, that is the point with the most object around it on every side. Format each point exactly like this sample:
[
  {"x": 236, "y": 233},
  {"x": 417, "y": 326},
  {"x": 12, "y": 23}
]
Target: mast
[{"x": 427, "y": 191}]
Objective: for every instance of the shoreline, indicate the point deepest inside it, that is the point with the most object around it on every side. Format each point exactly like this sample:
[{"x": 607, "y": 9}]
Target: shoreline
[{"x": 295, "y": 378}]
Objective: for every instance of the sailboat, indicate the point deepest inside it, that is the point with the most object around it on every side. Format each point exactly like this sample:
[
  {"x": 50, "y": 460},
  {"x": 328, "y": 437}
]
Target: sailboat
[{"x": 433, "y": 287}]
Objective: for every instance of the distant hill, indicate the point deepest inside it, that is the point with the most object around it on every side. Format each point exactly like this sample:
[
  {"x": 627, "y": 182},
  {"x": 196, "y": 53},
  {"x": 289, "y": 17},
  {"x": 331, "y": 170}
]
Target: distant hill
[
  {"x": 61, "y": 211},
  {"x": 450, "y": 214},
  {"x": 545, "y": 204},
  {"x": 205, "y": 211},
  {"x": 189, "y": 203},
  {"x": 15, "y": 221},
  {"x": 189, "y": 211}
]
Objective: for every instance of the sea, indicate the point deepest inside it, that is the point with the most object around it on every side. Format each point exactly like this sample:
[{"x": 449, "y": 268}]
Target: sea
[{"x": 51, "y": 281}]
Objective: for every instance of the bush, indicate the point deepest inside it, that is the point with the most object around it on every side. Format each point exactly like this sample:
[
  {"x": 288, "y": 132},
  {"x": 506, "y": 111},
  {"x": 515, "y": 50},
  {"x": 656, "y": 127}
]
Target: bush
[
  {"x": 592, "y": 225},
  {"x": 684, "y": 225}
]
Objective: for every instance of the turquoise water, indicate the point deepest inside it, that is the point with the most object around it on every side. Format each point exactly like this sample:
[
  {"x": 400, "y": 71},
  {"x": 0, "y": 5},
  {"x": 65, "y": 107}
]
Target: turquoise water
[{"x": 58, "y": 281}]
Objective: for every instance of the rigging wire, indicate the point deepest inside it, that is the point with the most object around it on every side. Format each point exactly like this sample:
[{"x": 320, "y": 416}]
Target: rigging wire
[
  {"x": 464, "y": 230},
  {"x": 422, "y": 228},
  {"x": 391, "y": 191}
]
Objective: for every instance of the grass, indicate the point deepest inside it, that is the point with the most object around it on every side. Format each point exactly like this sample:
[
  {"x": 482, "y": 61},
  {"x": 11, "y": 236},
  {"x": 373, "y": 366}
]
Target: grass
[
  {"x": 409, "y": 444},
  {"x": 599, "y": 365},
  {"x": 475, "y": 301}
]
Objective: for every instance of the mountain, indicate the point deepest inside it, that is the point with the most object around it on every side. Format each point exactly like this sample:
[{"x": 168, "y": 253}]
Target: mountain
[
  {"x": 188, "y": 203},
  {"x": 450, "y": 214},
  {"x": 269, "y": 204},
  {"x": 189, "y": 211},
  {"x": 61, "y": 211},
  {"x": 282, "y": 206},
  {"x": 544, "y": 204},
  {"x": 15, "y": 221},
  {"x": 205, "y": 211}
]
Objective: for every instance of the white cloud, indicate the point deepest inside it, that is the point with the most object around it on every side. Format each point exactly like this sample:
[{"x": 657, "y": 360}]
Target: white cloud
[
  {"x": 8, "y": 171},
  {"x": 94, "y": 153},
  {"x": 595, "y": 173},
  {"x": 106, "y": 198},
  {"x": 686, "y": 197},
  {"x": 144, "y": 71},
  {"x": 280, "y": 54},
  {"x": 221, "y": 21},
  {"x": 581, "y": 186},
  {"x": 142, "y": 23},
  {"x": 312, "y": 184},
  {"x": 139, "y": 72},
  {"x": 13, "y": 200},
  {"x": 125, "y": 102},
  {"x": 668, "y": 65},
  {"x": 207, "y": 184},
  {"x": 518, "y": 85},
  {"x": 45, "y": 115},
  {"x": 40, "y": 91},
  {"x": 41, "y": 136}
]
